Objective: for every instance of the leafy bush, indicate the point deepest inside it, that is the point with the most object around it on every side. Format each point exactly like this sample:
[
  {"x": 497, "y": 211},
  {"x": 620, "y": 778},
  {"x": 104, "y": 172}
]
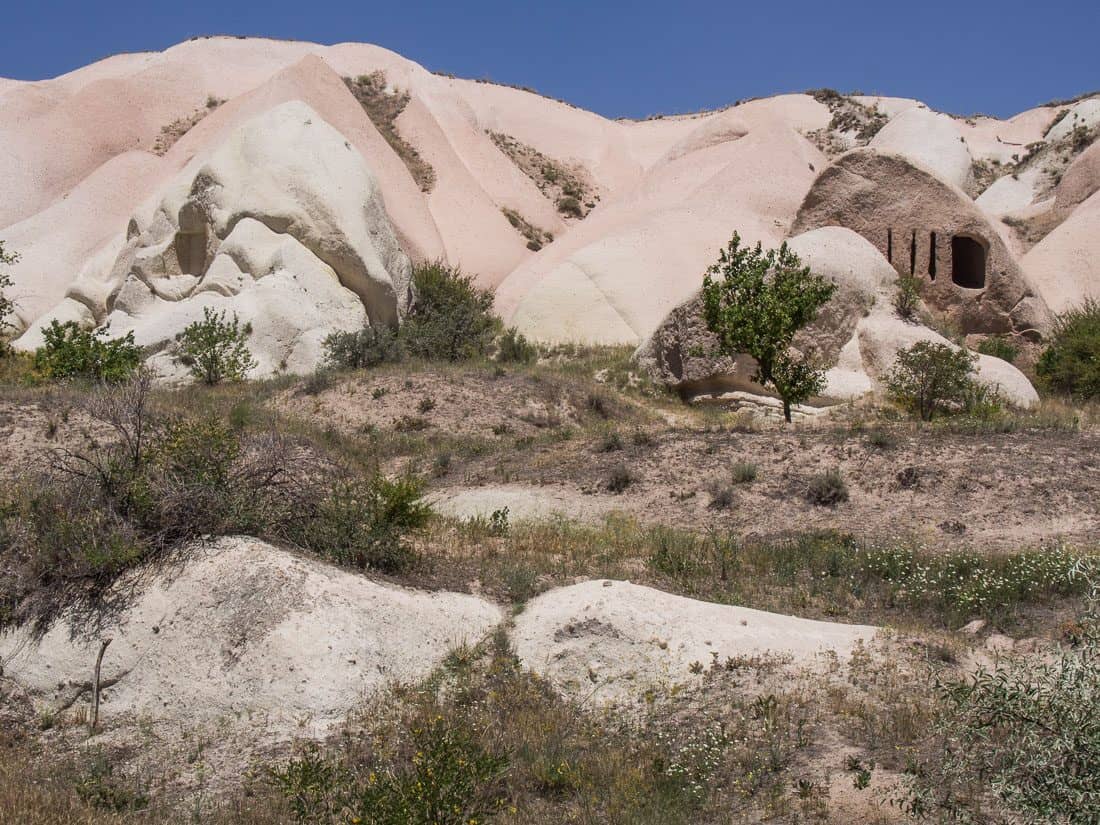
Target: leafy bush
[
  {"x": 1071, "y": 363},
  {"x": 363, "y": 522},
  {"x": 928, "y": 378},
  {"x": 999, "y": 347},
  {"x": 513, "y": 347},
  {"x": 71, "y": 352},
  {"x": 7, "y": 306},
  {"x": 1026, "y": 733},
  {"x": 907, "y": 297},
  {"x": 214, "y": 349},
  {"x": 755, "y": 302},
  {"x": 367, "y": 347},
  {"x": 827, "y": 489},
  {"x": 451, "y": 319}
]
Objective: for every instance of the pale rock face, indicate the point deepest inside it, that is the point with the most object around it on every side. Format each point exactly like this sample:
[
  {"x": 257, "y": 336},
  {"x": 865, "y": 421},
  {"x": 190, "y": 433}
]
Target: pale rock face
[
  {"x": 282, "y": 224},
  {"x": 930, "y": 140},
  {"x": 610, "y": 641},
  {"x": 1064, "y": 266},
  {"x": 1082, "y": 115},
  {"x": 856, "y": 335},
  {"x": 249, "y": 634}
]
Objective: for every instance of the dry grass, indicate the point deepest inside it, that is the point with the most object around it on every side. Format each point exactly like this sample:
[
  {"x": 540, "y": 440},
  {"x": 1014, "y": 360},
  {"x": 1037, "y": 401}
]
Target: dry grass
[{"x": 383, "y": 109}]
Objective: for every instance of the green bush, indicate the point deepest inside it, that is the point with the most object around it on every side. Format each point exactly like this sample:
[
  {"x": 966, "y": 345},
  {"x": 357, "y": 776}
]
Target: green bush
[
  {"x": 7, "y": 306},
  {"x": 569, "y": 205},
  {"x": 1024, "y": 736},
  {"x": 451, "y": 318},
  {"x": 744, "y": 472},
  {"x": 1071, "y": 363},
  {"x": 928, "y": 378},
  {"x": 907, "y": 297},
  {"x": 363, "y": 522},
  {"x": 513, "y": 347},
  {"x": 367, "y": 347},
  {"x": 827, "y": 489},
  {"x": 999, "y": 347},
  {"x": 71, "y": 352},
  {"x": 214, "y": 349}
]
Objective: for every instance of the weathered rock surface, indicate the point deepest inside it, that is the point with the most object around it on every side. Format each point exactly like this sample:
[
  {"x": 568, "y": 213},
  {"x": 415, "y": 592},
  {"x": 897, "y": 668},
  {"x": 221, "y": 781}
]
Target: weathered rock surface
[
  {"x": 243, "y": 631},
  {"x": 612, "y": 640},
  {"x": 930, "y": 140},
  {"x": 930, "y": 229}
]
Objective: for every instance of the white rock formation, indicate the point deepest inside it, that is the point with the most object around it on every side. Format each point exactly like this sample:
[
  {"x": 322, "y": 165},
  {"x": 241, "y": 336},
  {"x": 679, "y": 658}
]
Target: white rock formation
[
  {"x": 611, "y": 640},
  {"x": 247, "y": 633},
  {"x": 928, "y": 139}
]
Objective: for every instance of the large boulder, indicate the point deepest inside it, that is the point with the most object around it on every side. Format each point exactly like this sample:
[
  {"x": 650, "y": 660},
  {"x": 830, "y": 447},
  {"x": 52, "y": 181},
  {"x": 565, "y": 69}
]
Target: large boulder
[
  {"x": 247, "y": 634},
  {"x": 856, "y": 335},
  {"x": 283, "y": 223},
  {"x": 928, "y": 139},
  {"x": 1065, "y": 265},
  {"x": 929, "y": 228},
  {"x": 613, "y": 641}
]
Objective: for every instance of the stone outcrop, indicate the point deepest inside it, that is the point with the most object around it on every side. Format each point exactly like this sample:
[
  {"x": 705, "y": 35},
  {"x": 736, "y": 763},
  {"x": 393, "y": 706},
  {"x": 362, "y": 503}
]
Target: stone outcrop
[{"x": 929, "y": 229}]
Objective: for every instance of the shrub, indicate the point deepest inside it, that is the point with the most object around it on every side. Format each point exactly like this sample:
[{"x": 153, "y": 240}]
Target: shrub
[
  {"x": 928, "y": 378},
  {"x": 827, "y": 489},
  {"x": 363, "y": 522},
  {"x": 71, "y": 352},
  {"x": 755, "y": 302},
  {"x": 610, "y": 442},
  {"x": 425, "y": 405},
  {"x": 451, "y": 319},
  {"x": 744, "y": 472},
  {"x": 907, "y": 297},
  {"x": 7, "y": 306},
  {"x": 367, "y": 347},
  {"x": 999, "y": 347},
  {"x": 569, "y": 205},
  {"x": 214, "y": 349},
  {"x": 620, "y": 479},
  {"x": 1071, "y": 363},
  {"x": 1026, "y": 733},
  {"x": 513, "y": 347}
]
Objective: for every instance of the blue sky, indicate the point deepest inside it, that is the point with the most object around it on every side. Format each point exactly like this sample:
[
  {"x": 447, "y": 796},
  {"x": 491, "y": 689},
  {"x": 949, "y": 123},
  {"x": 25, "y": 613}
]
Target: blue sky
[{"x": 632, "y": 59}]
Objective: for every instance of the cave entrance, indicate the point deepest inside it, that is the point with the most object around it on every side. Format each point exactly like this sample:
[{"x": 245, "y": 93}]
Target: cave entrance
[
  {"x": 967, "y": 262},
  {"x": 191, "y": 240}
]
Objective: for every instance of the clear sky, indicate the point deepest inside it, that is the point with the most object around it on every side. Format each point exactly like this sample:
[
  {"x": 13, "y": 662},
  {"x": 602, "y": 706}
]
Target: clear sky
[{"x": 631, "y": 59}]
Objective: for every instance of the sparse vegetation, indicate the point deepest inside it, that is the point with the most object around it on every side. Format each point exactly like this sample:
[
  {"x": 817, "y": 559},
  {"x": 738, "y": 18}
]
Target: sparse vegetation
[
  {"x": 929, "y": 378},
  {"x": 999, "y": 346},
  {"x": 565, "y": 186},
  {"x": 364, "y": 348},
  {"x": 216, "y": 349},
  {"x": 7, "y": 306},
  {"x": 71, "y": 352},
  {"x": 1071, "y": 362},
  {"x": 907, "y": 300},
  {"x": 383, "y": 108},
  {"x": 755, "y": 302},
  {"x": 827, "y": 489},
  {"x": 514, "y": 348},
  {"x": 536, "y": 238}
]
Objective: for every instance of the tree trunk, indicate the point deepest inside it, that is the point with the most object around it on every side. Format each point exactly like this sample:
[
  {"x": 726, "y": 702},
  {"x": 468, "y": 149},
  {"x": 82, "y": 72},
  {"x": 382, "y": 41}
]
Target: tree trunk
[{"x": 787, "y": 410}]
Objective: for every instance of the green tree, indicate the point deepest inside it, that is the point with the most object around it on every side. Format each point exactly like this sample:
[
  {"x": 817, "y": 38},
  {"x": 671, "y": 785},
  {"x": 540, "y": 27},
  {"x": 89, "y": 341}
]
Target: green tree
[
  {"x": 755, "y": 302},
  {"x": 214, "y": 349},
  {"x": 928, "y": 378},
  {"x": 7, "y": 306},
  {"x": 1071, "y": 364},
  {"x": 72, "y": 352},
  {"x": 451, "y": 319}
]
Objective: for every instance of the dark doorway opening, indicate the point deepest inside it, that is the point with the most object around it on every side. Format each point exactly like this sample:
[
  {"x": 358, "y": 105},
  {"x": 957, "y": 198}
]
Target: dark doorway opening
[
  {"x": 967, "y": 262},
  {"x": 932, "y": 256},
  {"x": 913, "y": 254}
]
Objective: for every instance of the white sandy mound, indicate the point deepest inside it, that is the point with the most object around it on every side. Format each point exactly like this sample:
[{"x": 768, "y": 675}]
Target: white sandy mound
[
  {"x": 245, "y": 629},
  {"x": 928, "y": 139},
  {"x": 614, "y": 639}
]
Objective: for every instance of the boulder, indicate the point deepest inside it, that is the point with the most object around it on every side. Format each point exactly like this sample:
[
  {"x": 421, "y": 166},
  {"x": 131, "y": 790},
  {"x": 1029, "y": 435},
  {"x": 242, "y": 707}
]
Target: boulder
[
  {"x": 930, "y": 229},
  {"x": 246, "y": 633},
  {"x": 930, "y": 140},
  {"x": 612, "y": 640}
]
